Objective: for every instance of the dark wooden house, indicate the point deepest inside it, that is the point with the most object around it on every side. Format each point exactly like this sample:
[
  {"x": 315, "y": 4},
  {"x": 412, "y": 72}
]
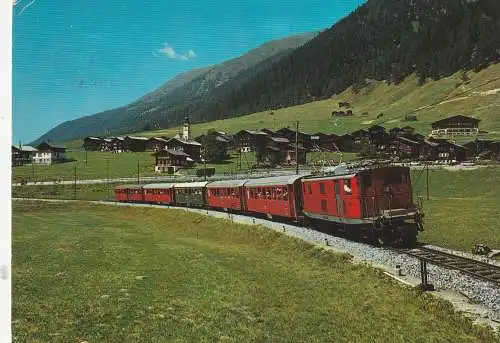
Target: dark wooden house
[
  {"x": 166, "y": 159},
  {"x": 404, "y": 148},
  {"x": 92, "y": 143},
  {"x": 455, "y": 125},
  {"x": 135, "y": 144},
  {"x": 192, "y": 148},
  {"x": 324, "y": 142},
  {"x": 22, "y": 154},
  {"x": 249, "y": 140},
  {"x": 156, "y": 143},
  {"x": 443, "y": 150}
]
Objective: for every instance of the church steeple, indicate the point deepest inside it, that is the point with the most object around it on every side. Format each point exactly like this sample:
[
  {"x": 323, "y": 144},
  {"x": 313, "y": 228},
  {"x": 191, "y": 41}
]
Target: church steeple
[{"x": 186, "y": 129}]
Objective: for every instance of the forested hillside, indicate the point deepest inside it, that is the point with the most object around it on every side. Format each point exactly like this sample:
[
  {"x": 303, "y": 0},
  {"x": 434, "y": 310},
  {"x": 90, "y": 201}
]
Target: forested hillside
[{"x": 381, "y": 40}]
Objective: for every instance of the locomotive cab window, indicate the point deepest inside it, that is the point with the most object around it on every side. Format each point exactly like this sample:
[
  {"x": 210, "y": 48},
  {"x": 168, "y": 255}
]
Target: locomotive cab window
[
  {"x": 322, "y": 188},
  {"x": 347, "y": 186},
  {"x": 366, "y": 180}
]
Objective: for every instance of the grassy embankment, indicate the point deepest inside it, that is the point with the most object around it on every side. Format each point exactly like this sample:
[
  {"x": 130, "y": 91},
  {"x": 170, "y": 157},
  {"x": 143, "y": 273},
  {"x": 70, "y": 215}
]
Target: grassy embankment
[
  {"x": 105, "y": 274},
  {"x": 462, "y": 210}
]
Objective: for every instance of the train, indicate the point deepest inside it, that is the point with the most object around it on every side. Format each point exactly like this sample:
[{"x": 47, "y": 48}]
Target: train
[{"x": 374, "y": 203}]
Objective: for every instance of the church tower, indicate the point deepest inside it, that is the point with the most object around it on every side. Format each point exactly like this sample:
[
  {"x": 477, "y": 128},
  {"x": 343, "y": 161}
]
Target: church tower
[{"x": 186, "y": 130}]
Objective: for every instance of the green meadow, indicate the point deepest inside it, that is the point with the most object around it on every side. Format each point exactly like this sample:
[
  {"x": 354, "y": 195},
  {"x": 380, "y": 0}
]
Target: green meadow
[{"x": 110, "y": 274}]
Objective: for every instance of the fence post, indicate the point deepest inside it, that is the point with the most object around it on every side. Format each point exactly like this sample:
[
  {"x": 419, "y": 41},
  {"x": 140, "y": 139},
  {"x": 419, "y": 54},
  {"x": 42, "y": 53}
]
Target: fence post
[{"x": 424, "y": 286}]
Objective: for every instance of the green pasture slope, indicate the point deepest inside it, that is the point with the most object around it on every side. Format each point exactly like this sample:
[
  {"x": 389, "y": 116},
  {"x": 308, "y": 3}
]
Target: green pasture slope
[
  {"x": 463, "y": 207},
  {"x": 109, "y": 274},
  {"x": 479, "y": 97}
]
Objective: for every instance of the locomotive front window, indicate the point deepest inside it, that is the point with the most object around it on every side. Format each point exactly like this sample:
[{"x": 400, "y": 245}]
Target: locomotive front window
[{"x": 347, "y": 186}]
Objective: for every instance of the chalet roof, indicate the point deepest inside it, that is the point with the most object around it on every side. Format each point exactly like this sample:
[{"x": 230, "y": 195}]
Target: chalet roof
[
  {"x": 157, "y": 139},
  {"x": 93, "y": 138},
  {"x": 26, "y": 148},
  {"x": 226, "y": 183},
  {"x": 51, "y": 146},
  {"x": 171, "y": 152},
  {"x": 279, "y": 139},
  {"x": 276, "y": 180},
  {"x": 407, "y": 140},
  {"x": 455, "y": 118},
  {"x": 184, "y": 142},
  {"x": 252, "y": 132},
  {"x": 137, "y": 138},
  {"x": 432, "y": 144}
]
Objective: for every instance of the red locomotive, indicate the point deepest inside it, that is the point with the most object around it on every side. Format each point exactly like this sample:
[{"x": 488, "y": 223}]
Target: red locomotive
[{"x": 373, "y": 202}]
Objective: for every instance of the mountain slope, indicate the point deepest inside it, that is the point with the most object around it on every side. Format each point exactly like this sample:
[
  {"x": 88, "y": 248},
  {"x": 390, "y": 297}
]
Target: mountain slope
[
  {"x": 381, "y": 40},
  {"x": 163, "y": 106}
]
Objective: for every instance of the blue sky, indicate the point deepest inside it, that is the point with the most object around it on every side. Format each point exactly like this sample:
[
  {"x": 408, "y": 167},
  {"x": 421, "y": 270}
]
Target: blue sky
[{"x": 76, "y": 58}]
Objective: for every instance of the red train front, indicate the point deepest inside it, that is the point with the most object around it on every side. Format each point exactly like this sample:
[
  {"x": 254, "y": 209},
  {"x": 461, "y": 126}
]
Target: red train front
[{"x": 372, "y": 202}]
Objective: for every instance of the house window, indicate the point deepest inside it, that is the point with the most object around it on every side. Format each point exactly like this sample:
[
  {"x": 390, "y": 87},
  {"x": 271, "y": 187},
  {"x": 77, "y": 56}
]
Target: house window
[
  {"x": 324, "y": 205},
  {"x": 322, "y": 188}
]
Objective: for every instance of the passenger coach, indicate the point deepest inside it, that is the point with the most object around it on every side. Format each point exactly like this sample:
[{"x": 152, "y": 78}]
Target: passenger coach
[
  {"x": 227, "y": 195},
  {"x": 159, "y": 193},
  {"x": 278, "y": 196},
  {"x": 190, "y": 194}
]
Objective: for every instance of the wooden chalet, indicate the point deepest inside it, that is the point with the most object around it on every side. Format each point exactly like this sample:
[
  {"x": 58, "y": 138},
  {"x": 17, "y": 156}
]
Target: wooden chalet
[
  {"x": 135, "y": 144},
  {"x": 117, "y": 144},
  {"x": 404, "y": 148},
  {"x": 483, "y": 148},
  {"x": 303, "y": 138},
  {"x": 49, "y": 154},
  {"x": 156, "y": 144},
  {"x": 455, "y": 125},
  {"x": 248, "y": 140},
  {"x": 22, "y": 154},
  {"x": 92, "y": 143},
  {"x": 166, "y": 160},
  {"x": 324, "y": 142},
  {"x": 192, "y": 148},
  {"x": 442, "y": 150}
]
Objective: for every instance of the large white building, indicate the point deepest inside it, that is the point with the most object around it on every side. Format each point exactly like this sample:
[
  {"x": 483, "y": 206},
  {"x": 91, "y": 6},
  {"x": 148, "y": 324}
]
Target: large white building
[{"x": 48, "y": 154}]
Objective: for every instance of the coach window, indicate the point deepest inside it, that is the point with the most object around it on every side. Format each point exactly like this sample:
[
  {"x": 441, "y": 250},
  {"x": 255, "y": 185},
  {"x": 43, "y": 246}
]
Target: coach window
[
  {"x": 322, "y": 188},
  {"x": 310, "y": 188},
  {"x": 347, "y": 186},
  {"x": 285, "y": 194},
  {"x": 324, "y": 205}
]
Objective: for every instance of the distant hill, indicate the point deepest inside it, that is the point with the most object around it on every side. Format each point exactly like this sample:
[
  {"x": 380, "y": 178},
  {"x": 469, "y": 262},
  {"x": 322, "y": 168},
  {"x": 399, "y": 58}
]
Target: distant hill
[{"x": 166, "y": 106}]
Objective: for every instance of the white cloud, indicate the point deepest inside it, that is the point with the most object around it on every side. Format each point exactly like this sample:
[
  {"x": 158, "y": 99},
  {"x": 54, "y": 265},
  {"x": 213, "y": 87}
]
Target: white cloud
[{"x": 170, "y": 52}]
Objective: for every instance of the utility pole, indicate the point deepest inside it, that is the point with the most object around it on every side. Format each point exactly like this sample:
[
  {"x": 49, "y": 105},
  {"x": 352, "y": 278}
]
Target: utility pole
[
  {"x": 107, "y": 175},
  {"x": 138, "y": 175},
  {"x": 297, "y": 148},
  {"x": 427, "y": 165},
  {"x": 85, "y": 157},
  {"x": 74, "y": 186},
  {"x": 33, "y": 171},
  {"x": 205, "y": 163}
]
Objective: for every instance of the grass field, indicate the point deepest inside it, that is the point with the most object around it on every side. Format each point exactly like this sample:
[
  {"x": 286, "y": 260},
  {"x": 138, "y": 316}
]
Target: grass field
[
  {"x": 463, "y": 207},
  {"x": 106, "y": 274}
]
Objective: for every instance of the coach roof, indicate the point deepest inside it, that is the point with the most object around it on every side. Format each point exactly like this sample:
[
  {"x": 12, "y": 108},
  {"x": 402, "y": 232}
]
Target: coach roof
[
  {"x": 159, "y": 185},
  {"x": 276, "y": 180},
  {"x": 226, "y": 183},
  {"x": 191, "y": 184}
]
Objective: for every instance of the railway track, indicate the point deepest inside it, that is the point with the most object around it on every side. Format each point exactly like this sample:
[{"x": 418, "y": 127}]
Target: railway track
[{"x": 480, "y": 270}]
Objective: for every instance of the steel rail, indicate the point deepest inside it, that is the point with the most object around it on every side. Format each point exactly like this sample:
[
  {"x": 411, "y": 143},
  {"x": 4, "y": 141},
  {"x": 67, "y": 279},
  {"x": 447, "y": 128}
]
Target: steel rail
[{"x": 478, "y": 269}]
